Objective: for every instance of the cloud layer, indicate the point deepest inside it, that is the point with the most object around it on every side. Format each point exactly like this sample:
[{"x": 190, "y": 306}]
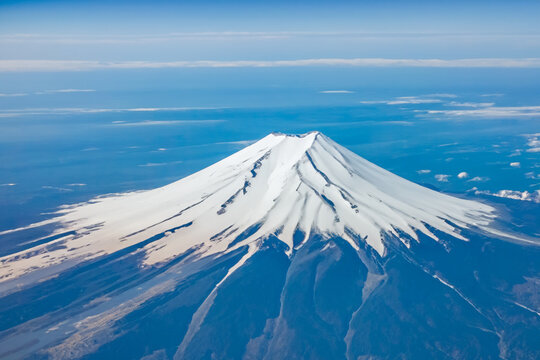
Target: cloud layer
[
  {"x": 514, "y": 194},
  {"x": 166, "y": 122},
  {"x": 336, "y": 92},
  {"x": 490, "y": 112},
  {"x": 88, "y": 65},
  {"x": 46, "y": 92},
  {"x": 533, "y": 142},
  {"x": 70, "y": 111}
]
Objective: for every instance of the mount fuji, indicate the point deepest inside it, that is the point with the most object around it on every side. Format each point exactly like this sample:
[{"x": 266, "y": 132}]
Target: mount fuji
[{"x": 292, "y": 248}]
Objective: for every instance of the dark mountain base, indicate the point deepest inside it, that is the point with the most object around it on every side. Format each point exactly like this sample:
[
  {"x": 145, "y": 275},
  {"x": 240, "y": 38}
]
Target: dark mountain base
[{"x": 465, "y": 300}]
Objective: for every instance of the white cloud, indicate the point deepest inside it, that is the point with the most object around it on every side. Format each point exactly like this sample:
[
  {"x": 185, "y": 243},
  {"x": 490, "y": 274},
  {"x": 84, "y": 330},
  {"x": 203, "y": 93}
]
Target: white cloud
[
  {"x": 160, "y": 164},
  {"x": 56, "y": 188},
  {"x": 533, "y": 141},
  {"x": 402, "y": 100},
  {"x": 70, "y": 111},
  {"x": 469, "y": 104},
  {"x": 238, "y": 142},
  {"x": 442, "y": 95},
  {"x": 8, "y": 184},
  {"x": 60, "y": 91},
  {"x": 479, "y": 179},
  {"x": 44, "y": 92},
  {"x": 463, "y": 175},
  {"x": 514, "y": 194},
  {"x": 515, "y": 164},
  {"x": 448, "y": 144},
  {"x": 412, "y": 100},
  {"x": 12, "y": 94},
  {"x": 489, "y": 112},
  {"x": 167, "y": 122},
  {"x": 425, "y": 171},
  {"x": 442, "y": 177},
  {"x": 336, "y": 92},
  {"x": 358, "y": 123},
  {"x": 163, "y": 109},
  {"x": 88, "y": 65}
]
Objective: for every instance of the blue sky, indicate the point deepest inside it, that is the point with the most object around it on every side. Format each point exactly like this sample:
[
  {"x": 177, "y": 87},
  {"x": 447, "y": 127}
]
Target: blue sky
[{"x": 162, "y": 31}]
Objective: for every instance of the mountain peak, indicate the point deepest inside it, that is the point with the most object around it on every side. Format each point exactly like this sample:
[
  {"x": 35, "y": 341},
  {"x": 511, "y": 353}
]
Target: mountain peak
[
  {"x": 313, "y": 133},
  {"x": 291, "y": 187}
]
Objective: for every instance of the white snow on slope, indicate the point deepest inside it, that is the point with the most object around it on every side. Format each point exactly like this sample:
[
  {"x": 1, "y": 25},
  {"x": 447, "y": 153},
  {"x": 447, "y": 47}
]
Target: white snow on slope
[{"x": 275, "y": 186}]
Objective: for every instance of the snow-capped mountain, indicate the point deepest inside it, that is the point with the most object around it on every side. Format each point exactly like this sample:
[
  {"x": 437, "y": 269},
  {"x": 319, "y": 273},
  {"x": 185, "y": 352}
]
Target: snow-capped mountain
[
  {"x": 294, "y": 247},
  {"x": 287, "y": 186}
]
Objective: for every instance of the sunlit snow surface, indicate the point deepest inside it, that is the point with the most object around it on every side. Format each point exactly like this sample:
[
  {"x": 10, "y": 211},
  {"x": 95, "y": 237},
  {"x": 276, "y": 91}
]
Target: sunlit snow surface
[{"x": 283, "y": 185}]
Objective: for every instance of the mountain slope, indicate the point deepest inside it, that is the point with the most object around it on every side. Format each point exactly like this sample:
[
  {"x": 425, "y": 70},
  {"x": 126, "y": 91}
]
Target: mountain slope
[{"x": 293, "y": 247}]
